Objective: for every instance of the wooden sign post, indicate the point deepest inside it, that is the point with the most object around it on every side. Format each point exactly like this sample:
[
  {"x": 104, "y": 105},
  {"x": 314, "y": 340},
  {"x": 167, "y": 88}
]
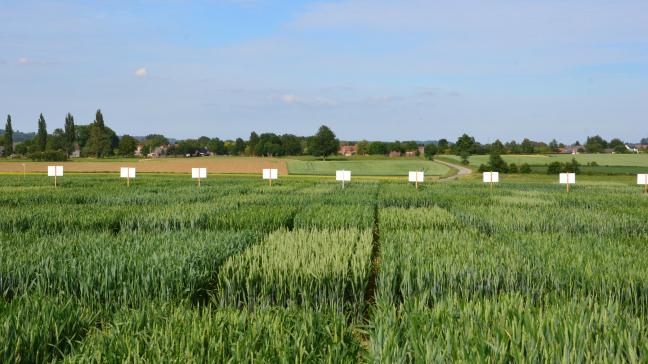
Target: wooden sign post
[
  {"x": 344, "y": 176},
  {"x": 642, "y": 179},
  {"x": 128, "y": 173},
  {"x": 490, "y": 178},
  {"x": 55, "y": 171},
  {"x": 270, "y": 174},
  {"x": 567, "y": 179},
  {"x": 416, "y": 177},
  {"x": 199, "y": 174}
]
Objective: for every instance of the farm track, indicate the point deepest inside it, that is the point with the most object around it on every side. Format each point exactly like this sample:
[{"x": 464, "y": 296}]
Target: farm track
[{"x": 461, "y": 171}]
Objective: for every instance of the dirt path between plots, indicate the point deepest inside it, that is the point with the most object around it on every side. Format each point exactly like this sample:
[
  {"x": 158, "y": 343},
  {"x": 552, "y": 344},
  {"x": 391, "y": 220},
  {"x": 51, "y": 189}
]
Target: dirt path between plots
[
  {"x": 462, "y": 171},
  {"x": 160, "y": 165}
]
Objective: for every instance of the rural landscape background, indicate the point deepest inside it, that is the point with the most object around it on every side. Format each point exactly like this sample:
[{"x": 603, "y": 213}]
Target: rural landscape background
[{"x": 140, "y": 221}]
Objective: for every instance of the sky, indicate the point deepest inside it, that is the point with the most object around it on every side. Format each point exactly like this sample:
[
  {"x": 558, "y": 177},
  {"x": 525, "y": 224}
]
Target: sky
[{"x": 369, "y": 69}]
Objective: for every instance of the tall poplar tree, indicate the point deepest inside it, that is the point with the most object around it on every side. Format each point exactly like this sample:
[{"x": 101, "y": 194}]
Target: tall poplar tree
[
  {"x": 99, "y": 144},
  {"x": 69, "y": 133},
  {"x": 8, "y": 138},
  {"x": 41, "y": 136}
]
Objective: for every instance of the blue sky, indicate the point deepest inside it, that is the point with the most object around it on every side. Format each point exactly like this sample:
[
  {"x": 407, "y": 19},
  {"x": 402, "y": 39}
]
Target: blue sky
[{"x": 373, "y": 69}]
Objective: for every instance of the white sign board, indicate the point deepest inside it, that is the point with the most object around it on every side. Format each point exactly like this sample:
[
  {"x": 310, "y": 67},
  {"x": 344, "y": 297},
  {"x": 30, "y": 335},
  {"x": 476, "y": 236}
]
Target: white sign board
[
  {"x": 491, "y": 177},
  {"x": 416, "y": 176},
  {"x": 642, "y": 179},
  {"x": 270, "y": 173},
  {"x": 199, "y": 173},
  {"x": 127, "y": 172},
  {"x": 344, "y": 176},
  {"x": 55, "y": 171},
  {"x": 568, "y": 178}
]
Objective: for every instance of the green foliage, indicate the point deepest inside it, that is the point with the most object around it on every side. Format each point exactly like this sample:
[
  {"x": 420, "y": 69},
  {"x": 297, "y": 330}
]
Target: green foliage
[
  {"x": 525, "y": 168},
  {"x": 41, "y": 136},
  {"x": 323, "y": 143},
  {"x": 313, "y": 268},
  {"x": 165, "y": 333},
  {"x": 430, "y": 151},
  {"x": 127, "y": 145},
  {"x": 595, "y": 144},
  {"x": 465, "y": 145},
  {"x": 8, "y": 138},
  {"x": 40, "y": 329},
  {"x": 49, "y": 156},
  {"x": 69, "y": 134},
  {"x": 304, "y": 271},
  {"x": 100, "y": 142}
]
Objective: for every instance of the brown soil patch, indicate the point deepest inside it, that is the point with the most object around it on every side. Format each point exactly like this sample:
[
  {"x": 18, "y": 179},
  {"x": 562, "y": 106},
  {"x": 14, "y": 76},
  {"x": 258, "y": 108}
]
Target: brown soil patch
[{"x": 160, "y": 165}]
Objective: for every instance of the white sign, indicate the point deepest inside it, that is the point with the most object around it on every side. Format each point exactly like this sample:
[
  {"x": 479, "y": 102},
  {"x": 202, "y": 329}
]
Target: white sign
[
  {"x": 199, "y": 173},
  {"x": 416, "y": 176},
  {"x": 491, "y": 177},
  {"x": 270, "y": 173},
  {"x": 344, "y": 176},
  {"x": 127, "y": 172},
  {"x": 55, "y": 171},
  {"x": 642, "y": 179},
  {"x": 568, "y": 178}
]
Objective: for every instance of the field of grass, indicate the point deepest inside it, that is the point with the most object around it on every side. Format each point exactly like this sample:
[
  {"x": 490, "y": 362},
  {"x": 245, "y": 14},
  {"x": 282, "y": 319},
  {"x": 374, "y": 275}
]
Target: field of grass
[
  {"x": 603, "y": 160},
  {"x": 368, "y": 167},
  {"x": 305, "y": 271}
]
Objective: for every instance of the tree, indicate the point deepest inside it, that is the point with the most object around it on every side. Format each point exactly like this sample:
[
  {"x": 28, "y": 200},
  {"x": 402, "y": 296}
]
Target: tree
[
  {"x": 618, "y": 145},
  {"x": 69, "y": 134},
  {"x": 100, "y": 143},
  {"x": 324, "y": 143},
  {"x": 127, "y": 145},
  {"x": 430, "y": 151},
  {"x": 8, "y": 138},
  {"x": 497, "y": 164},
  {"x": 239, "y": 147},
  {"x": 497, "y": 147},
  {"x": 156, "y": 140},
  {"x": 216, "y": 146},
  {"x": 56, "y": 142},
  {"x": 377, "y": 148},
  {"x": 465, "y": 145},
  {"x": 291, "y": 145},
  {"x": 252, "y": 143},
  {"x": 555, "y": 147},
  {"x": 595, "y": 144},
  {"x": 41, "y": 136},
  {"x": 527, "y": 146},
  {"x": 362, "y": 148},
  {"x": 443, "y": 146}
]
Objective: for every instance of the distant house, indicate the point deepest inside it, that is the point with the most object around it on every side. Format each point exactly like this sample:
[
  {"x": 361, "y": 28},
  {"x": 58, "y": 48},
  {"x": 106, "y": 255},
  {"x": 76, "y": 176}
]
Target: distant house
[
  {"x": 138, "y": 150},
  {"x": 348, "y": 150},
  {"x": 633, "y": 148},
  {"x": 394, "y": 154},
  {"x": 572, "y": 149},
  {"x": 159, "y": 151}
]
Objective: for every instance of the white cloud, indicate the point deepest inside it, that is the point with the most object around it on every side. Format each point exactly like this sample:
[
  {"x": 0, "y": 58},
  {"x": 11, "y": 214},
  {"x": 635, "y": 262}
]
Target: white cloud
[
  {"x": 289, "y": 99},
  {"x": 141, "y": 72},
  {"x": 308, "y": 101}
]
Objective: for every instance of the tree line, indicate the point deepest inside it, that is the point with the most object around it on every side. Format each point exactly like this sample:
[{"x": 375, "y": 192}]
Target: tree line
[{"x": 98, "y": 140}]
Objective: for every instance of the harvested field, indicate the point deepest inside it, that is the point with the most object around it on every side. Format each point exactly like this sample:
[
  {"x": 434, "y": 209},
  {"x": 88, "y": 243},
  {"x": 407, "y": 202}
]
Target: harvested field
[{"x": 161, "y": 165}]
